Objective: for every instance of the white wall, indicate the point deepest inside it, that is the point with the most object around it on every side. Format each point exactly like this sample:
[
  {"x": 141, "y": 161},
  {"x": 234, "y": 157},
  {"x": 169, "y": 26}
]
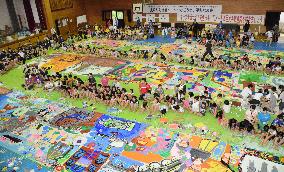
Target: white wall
[
  {"x": 4, "y": 15},
  {"x": 20, "y": 10},
  {"x": 282, "y": 17},
  {"x": 34, "y": 9}
]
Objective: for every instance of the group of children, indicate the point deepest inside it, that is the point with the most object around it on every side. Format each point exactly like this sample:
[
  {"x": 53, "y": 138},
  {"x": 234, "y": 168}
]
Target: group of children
[
  {"x": 11, "y": 57},
  {"x": 228, "y": 39},
  {"x": 155, "y": 101},
  {"x": 126, "y": 33},
  {"x": 224, "y": 61}
]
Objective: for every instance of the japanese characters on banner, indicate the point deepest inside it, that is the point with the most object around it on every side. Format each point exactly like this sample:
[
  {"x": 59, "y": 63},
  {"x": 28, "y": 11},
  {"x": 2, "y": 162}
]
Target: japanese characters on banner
[
  {"x": 183, "y": 9},
  {"x": 225, "y": 18},
  {"x": 189, "y": 13},
  {"x": 199, "y": 18},
  {"x": 242, "y": 18}
]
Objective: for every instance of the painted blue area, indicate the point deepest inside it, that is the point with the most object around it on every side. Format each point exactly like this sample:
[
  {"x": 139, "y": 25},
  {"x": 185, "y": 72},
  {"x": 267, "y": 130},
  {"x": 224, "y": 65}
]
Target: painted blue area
[
  {"x": 257, "y": 45},
  {"x": 10, "y": 160},
  {"x": 127, "y": 163},
  {"x": 273, "y": 47},
  {"x": 121, "y": 133},
  {"x": 220, "y": 73},
  {"x": 3, "y": 100}
]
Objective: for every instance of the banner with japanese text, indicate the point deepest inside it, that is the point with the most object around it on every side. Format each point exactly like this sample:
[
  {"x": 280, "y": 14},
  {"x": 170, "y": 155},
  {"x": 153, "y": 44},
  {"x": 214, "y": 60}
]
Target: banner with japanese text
[
  {"x": 183, "y": 9},
  {"x": 225, "y": 18}
]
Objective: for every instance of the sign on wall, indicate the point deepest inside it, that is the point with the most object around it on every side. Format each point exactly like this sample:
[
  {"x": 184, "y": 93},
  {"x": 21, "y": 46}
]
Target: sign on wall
[
  {"x": 242, "y": 18},
  {"x": 137, "y": 8},
  {"x": 81, "y": 19},
  {"x": 225, "y": 18},
  {"x": 150, "y": 17},
  {"x": 136, "y": 16},
  {"x": 60, "y": 4},
  {"x": 183, "y": 9},
  {"x": 199, "y": 18},
  {"x": 164, "y": 18}
]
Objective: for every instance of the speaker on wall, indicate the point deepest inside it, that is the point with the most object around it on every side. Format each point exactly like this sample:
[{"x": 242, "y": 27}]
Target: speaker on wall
[{"x": 129, "y": 15}]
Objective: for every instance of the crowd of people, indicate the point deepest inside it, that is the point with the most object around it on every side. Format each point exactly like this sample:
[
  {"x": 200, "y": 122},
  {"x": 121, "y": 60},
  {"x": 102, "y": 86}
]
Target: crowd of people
[
  {"x": 156, "y": 101},
  {"x": 125, "y": 33},
  {"x": 11, "y": 57},
  {"x": 209, "y": 59},
  {"x": 260, "y": 106}
]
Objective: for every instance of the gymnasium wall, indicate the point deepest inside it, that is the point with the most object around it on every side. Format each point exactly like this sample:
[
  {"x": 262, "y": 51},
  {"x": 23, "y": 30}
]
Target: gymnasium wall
[
  {"x": 94, "y": 9},
  {"x": 256, "y": 7},
  {"x": 78, "y": 9},
  {"x": 4, "y": 15},
  {"x": 21, "y": 14}
]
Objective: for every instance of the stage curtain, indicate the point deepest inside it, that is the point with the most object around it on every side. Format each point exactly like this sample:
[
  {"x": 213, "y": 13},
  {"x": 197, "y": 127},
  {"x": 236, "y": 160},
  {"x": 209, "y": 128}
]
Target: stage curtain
[
  {"x": 29, "y": 14},
  {"x": 39, "y": 6},
  {"x": 13, "y": 15}
]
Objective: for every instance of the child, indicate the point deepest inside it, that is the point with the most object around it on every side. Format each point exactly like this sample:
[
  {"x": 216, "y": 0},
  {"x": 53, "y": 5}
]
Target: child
[
  {"x": 232, "y": 124},
  {"x": 214, "y": 109},
  {"x": 270, "y": 135},
  {"x": 134, "y": 103},
  {"x": 155, "y": 106},
  {"x": 265, "y": 114},
  {"x": 251, "y": 115},
  {"x": 163, "y": 109},
  {"x": 219, "y": 116},
  {"x": 218, "y": 100},
  {"x": 202, "y": 109},
  {"x": 278, "y": 140},
  {"x": 226, "y": 107},
  {"x": 196, "y": 105},
  {"x": 144, "y": 106}
]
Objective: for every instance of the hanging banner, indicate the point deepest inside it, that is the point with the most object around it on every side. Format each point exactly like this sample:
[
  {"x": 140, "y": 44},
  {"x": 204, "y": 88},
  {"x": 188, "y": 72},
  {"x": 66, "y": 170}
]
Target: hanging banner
[
  {"x": 164, "y": 18},
  {"x": 150, "y": 17},
  {"x": 137, "y": 8},
  {"x": 183, "y": 9},
  {"x": 225, "y": 18},
  {"x": 198, "y": 18},
  {"x": 242, "y": 18},
  {"x": 137, "y": 16}
]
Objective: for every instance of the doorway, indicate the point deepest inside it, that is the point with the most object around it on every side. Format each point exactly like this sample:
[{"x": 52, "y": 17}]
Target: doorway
[
  {"x": 281, "y": 28},
  {"x": 120, "y": 17},
  {"x": 271, "y": 19}
]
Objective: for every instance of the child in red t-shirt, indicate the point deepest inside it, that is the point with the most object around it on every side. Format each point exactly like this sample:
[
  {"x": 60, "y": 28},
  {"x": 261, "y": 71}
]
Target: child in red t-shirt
[{"x": 144, "y": 87}]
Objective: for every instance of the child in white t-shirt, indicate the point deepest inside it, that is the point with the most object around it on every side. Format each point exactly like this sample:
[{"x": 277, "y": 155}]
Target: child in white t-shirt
[{"x": 226, "y": 107}]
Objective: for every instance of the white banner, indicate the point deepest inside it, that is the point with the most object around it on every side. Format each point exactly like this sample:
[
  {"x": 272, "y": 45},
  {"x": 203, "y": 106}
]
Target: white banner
[
  {"x": 183, "y": 9},
  {"x": 137, "y": 16},
  {"x": 198, "y": 18},
  {"x": 150, "y": 17},
  {"x": 164, "y": 18},
  {"x": 137, "y": 8},
  {"x": 225, "y": 18},
  {"x": 242, "y": 18}
]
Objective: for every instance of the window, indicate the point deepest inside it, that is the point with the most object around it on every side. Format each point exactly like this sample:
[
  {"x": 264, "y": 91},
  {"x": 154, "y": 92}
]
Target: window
[
  {"x": 119, "y": 15},
  {"x": 113, "y": 14}
]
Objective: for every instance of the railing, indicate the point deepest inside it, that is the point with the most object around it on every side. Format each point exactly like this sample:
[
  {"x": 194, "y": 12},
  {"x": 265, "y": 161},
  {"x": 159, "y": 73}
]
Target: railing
[{"x": 26, "y": 40}]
